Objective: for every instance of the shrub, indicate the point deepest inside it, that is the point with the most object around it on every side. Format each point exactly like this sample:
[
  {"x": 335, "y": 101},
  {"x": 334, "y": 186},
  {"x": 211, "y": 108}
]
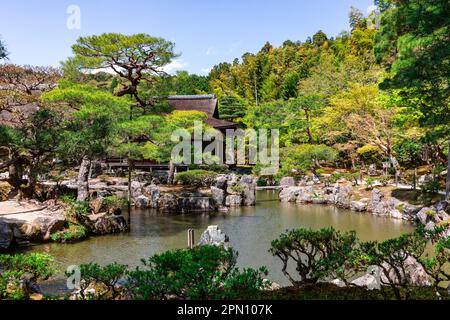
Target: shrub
[
  {"x": 237, "y": 188},
  {"x": 353, "y": 177},
  {"x": 305, "y": 158},
  {"x": 18, "y": 273},
  {"x": 74, "y": 232},
  {"x": 113, "y": 203},
  {"x": 261, "y": 183},
  {"x": 335, "y": 177},
  {"x": 197, "y": 178},
  {"x": 103, "y": 279},
  {"x": 437, "y": 264},
  {"x": 207, "y": 272},
  {"x": 316, "y": 254},
  {"x": 77, "y": 213},
  {"x": 244, "y": 285},
  {"x": 384, "y": 181},
  {"x": 391, "y": 257},
  {"x": 432, "y": 186},
  {"x": 370, "y": 182}
]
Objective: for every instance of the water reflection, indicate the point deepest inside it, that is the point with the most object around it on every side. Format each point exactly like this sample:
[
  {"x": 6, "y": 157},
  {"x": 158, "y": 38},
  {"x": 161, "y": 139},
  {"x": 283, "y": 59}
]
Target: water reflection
[{"x": 251, "y": 231}]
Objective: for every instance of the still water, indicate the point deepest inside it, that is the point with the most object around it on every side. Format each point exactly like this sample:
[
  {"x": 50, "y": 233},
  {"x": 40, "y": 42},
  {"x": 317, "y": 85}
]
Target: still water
[{"x": 251, "y": 231}]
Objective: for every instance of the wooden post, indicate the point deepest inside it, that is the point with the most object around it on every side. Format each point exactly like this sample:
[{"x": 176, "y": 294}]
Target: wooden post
[
  {"x": 190, "y": 235},
  {"x": 415, "y": 179}
]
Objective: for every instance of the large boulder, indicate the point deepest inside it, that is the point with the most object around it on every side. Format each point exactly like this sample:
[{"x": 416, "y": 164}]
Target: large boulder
[
  {"x": 220, "y": 181},
  {"x": 289, "y": 194},
  {"x": 41, "y": 228},
  {"x": 191, "y": 204},
  {"x": 168, "y": 203},
  {"x": 358, "y": 206},
  {"x": 6, "y": 236},
  {"x": 425, "y": 215},
  {"x": 109, "y": 224},
  {"x": 248, "y": 185},
  {"x": 305, "y": 195},
  {"x": 136, "y": 189},
  {"x": 233, "y": 201},
  {"x": 415, "y": 274},
  {"x": 218, "y": 195},
  {"x": 377, "y": 205},
  {"x": 287, "y": 182},
  {"x": 153, "y": 193},
  {"x": 367, "y": 281},
  {"x": 342, "y": 196},
  {"x": 142, "y": 202},
  {"x": 213, "y": 236}
]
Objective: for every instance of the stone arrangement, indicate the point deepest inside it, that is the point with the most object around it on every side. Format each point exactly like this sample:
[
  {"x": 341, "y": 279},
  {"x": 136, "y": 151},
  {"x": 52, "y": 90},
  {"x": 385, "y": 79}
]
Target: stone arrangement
[
  {"x": 378, "y": 204},
  {"x": 227, "y": 191}
]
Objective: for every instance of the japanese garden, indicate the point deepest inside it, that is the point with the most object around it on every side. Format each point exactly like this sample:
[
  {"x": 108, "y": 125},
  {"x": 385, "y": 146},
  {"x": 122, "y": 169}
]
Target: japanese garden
[{"x": 95, "y": 204}]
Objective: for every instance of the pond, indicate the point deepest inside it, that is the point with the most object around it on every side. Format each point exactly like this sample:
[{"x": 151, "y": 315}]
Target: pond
[{"x": 251, "y": 231}]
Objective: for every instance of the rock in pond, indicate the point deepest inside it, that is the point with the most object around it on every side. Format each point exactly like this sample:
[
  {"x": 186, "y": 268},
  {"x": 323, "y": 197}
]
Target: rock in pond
[
  {"x": 287, "y": 182},
  {"x": 213, "y": 236},
  {"x": 233, "y": 201}
]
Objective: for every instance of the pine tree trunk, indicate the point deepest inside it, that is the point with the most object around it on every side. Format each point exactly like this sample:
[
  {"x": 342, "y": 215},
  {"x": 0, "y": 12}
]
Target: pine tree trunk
[
  {"x": 15, "y": 176},
  {"x": 83, "y": 180}
]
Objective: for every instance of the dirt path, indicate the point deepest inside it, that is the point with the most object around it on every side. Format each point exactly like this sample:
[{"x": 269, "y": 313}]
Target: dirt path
[{"x": 14, "y": 208}]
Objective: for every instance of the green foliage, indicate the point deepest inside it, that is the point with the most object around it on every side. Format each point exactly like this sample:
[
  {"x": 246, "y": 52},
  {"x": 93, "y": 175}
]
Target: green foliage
[
  {"x": 75, "y": 232},
  {"x": 232, "y": 108},
  {"x": 432, "y": 186},
  {"x": 391, "y": 257},
  {"x": 182, "y": 83},
  {"x": 370, "y": 182},
  {"x": 197, "y": 178},
  {"x": 305, "y": 158},
  {"x": 136, "y": 59},
  {"x": 317, "y": 254},
  {"x": 93, "y": 127},
  {"x": 113, "y": 203},
  {"x": 103, "y": 279},
  {"x": 413, "y": 43},
  {"x": 25, "y": 269},
  {"x": 199, "y": 273}
]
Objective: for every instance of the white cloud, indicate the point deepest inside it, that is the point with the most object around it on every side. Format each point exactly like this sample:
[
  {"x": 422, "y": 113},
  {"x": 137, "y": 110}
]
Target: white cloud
[
  {"x": 206, "y": 70},
  {"x": 371, "y": 9},
  {"x": 175, "y": 66}
]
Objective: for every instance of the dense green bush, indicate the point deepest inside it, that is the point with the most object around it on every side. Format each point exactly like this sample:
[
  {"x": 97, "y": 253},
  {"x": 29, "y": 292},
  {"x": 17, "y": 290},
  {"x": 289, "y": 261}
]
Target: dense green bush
[
  {"x": 104, "y": 281},
  {"x": 112, "y": 204},
  {"x": 317, "y": 254},
  {"x": 207, "y": 272},
  {"x": 391, "y": 256},
  {"x": 305, "y": 158},
  {"x": 20, "y": 272},
  {"x": 197, "y": 178},
  {"x": 73, "y": 233}
]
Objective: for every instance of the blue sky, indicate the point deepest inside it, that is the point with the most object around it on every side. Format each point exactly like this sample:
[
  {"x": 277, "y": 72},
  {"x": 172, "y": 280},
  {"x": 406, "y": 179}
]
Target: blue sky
[{"x": 206, "y": 32}]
